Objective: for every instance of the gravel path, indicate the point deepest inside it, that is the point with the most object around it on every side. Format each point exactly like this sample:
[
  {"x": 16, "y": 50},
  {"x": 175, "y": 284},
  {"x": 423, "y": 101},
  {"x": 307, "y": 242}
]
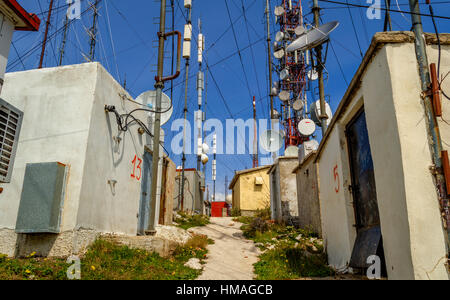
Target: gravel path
[{"x": 232, "y": 256}]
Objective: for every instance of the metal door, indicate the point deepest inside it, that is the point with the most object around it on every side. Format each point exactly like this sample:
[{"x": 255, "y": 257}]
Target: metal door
[
  {"x": 146, "y": 183},
  {"x": 367, "y": 217}
]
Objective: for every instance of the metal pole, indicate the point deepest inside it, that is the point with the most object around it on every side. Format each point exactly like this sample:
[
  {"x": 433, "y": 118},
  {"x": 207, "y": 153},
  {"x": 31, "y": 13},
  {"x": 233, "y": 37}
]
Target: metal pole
[
  {"x": 159, "y": 86},
  {"x": 434, "y": 139},
  {"x": 93, "y": 31},
  {"x": 269, "y": 54},
  {"x": 63, "y": 46},
  {"x": 387, "y": 17},
  {"x": 323, "y": 114},
  {"x": 44, "y": 43},
  {"x": 185, "y": 121}
]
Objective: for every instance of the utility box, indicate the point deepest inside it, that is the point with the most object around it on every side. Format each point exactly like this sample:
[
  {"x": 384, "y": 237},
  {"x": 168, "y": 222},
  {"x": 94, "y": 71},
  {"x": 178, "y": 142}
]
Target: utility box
[{"x": 42, "y": 198}]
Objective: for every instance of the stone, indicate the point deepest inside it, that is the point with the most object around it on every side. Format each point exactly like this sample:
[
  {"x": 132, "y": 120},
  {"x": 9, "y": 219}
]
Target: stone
[{"x": 194, "y": 263}]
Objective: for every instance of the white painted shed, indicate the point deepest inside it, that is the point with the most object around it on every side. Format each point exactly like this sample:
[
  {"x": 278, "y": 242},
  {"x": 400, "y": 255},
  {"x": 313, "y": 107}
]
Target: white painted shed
[
  {"x": 107, "y": 172},
  {"x": 376, "y": 147}
]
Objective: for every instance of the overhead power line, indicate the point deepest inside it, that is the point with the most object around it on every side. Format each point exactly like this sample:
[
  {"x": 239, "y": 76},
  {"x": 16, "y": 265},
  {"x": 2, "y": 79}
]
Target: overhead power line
[{"x": 385, "y": 9}]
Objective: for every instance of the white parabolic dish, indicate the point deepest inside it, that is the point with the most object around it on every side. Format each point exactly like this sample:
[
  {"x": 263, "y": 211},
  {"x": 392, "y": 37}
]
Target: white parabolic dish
[
  {"x": 148, "y": 99},
  {"x": 313, "y": 38},
  {"x": 306, "y": 127}
]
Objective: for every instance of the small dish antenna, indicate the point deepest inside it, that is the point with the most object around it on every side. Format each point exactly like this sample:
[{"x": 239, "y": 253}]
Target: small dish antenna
[
  {"x": 306, "y": 127},
  {"x": 291, "y": 151},
  {"x": 315, "y": 112},
  {"x": 271, "y": 141},
  {"x": 313, "y": 38},
  {"x": 276, "y": 114},
  {"x": 298, "y": 105},
  {"x": 279, "y": 36},
  {"x": 284, "y": 96},
  {"x": 148, "y": 99},
  {"x": 284, "y": 74},
  {"x": 279, "y": 54},
  {"x": 279, "y": 10},
  {"x": 313, "y": 75},
  {"x": 300, "y": 30}
]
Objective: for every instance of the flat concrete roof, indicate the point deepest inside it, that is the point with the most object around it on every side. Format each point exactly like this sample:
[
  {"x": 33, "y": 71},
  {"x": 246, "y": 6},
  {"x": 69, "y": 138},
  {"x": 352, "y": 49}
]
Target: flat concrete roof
[
  {"x": 239, "y": 173},
  {"x": 378, "y": 41}
]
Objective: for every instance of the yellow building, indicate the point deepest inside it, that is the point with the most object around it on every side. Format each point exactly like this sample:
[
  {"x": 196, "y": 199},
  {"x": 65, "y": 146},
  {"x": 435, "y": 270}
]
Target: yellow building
[{"x": 251, "y": 190}]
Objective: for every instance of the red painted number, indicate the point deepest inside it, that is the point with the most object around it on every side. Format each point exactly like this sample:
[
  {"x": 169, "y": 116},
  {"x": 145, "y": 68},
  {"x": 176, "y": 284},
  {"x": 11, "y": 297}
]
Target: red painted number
[
  {"x": 137, "y": 162},
  {"x": 336, "y": 179}
]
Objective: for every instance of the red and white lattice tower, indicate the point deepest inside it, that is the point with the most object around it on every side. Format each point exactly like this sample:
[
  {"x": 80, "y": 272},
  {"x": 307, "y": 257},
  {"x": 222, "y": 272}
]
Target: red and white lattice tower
[{"x": 295, "y": 80}]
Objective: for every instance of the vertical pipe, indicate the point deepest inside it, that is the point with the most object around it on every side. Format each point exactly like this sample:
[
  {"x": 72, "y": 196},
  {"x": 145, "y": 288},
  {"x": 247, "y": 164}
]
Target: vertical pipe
[
  {"x": 185, "y": 118},
  {"x": 434, "y": 139},
  {"x": 323, "y": 114},
  {"x": 44, "y": 43},
  {"x": 159, "y": 85}
]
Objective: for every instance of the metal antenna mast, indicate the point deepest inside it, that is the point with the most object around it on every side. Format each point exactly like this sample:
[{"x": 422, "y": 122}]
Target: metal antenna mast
[
  {"x": 159, "y": 86},
  {"x": 44, "y": 43},
  {"x": 63, "y": 46},
  {"x": 269, "y": 53},
  {"x": 186, "y": 56},
  {"x": 200, "y": 88},
  {"x": 93, "y": 31},
  {"x": 255, "y": 137},
  {"x": 323, "y": 115}
]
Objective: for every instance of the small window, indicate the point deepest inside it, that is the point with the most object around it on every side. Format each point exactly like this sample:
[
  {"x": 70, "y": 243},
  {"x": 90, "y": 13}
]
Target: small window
[{"x": 10, "y": 124}]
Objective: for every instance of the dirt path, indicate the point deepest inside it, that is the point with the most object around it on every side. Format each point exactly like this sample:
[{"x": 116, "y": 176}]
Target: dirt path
[{"x": 231, "y": 257}]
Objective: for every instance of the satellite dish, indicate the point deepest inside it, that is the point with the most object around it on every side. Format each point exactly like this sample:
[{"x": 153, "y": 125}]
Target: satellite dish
[
  {"x": 279, "y": 54},
  {"x": 274, "y": 91},
  {"x": 315, "y": 112},
  {"x": 279, "y": 36},
  {"x": 205, "y": 159},
  {"x": 313, "y": 38},
  {"x": 271, "y": 141},
  {"x": 300, "y": 30},
  {"x": 284, "y": 95},
  {"x": 306, "y": 127},
  {"x": 291, "y": 151},
  {"x": 205, "y": 148},
  {"x": 284, "y": 74},
  {"x": 276, "y": 114},
  {"x": 279, "y": 10},
  {"x": 313, "y": 75},
  {"x": 148, "y": 99},
  {"x": 298, "y": 105}
]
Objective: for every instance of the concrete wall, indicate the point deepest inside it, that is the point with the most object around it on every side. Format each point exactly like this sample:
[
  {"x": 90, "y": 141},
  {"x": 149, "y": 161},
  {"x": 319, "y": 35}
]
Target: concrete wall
[
  {"x": 249, "y": 197},
  {"x": 308, "y": 195},
  {"x": 166, "y": 210},
  {"x": 411, "y": 226},
  {"x": 284, "y": 192},
  {"x": 7, "y": 30},
  {"x": 65, "y": 121},
  {"x": 193, "y": 197}
]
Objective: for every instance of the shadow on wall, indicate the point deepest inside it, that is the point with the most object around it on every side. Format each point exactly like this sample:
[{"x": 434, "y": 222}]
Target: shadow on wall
[
  {"x": 287, "y": 217},
  {"x": 39, "y": 243}
]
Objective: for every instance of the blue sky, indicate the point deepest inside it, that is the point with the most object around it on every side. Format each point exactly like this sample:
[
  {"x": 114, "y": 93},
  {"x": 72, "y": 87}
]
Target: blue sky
[{"x": 128, "y": 35}]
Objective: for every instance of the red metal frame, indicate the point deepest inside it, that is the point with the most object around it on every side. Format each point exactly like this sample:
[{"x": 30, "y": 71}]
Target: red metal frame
[
  {"x": 31, "y": 20},
  {"x": 297, "y": 80}
]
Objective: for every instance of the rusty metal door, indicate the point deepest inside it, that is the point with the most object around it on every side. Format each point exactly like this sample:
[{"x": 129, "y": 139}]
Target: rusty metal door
[{"x": 367, "y": 217}]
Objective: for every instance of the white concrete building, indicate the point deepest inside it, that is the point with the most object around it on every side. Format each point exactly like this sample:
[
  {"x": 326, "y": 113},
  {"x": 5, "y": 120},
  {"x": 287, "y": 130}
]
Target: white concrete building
[
  {"x": 106, "y": 179},
  {"x": 377, "y": 194},
  {"x": 283, "y": 190}
]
